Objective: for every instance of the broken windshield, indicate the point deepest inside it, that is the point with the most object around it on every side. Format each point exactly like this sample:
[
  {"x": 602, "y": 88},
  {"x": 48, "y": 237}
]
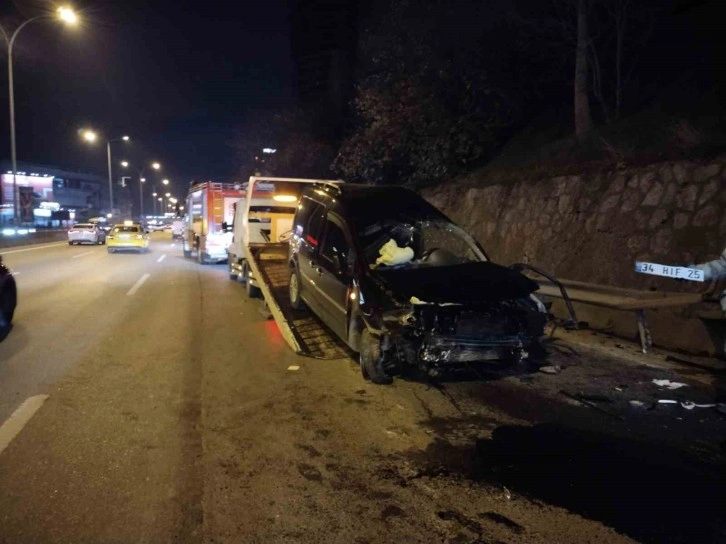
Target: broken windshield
[{"x": 418, "y": 243}]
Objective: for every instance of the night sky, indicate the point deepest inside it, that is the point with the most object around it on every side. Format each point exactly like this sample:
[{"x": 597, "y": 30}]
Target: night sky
[{"x": 178, "y": 77}]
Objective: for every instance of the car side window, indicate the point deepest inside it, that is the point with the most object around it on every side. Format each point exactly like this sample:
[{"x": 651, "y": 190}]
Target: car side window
[
  {"x": 309, "y": 221},
  {"x": 335, "y": 250}
]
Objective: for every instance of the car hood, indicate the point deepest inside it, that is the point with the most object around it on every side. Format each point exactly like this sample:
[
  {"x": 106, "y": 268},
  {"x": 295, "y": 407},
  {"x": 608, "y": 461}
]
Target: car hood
[{"x": 467, "y": 283}]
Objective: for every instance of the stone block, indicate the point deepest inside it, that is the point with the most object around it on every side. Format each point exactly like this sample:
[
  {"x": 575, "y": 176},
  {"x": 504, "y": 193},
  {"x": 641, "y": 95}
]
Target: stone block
[
  {"x": 604, "y": 222},
  {"x": 659, "y": 217},
  {"x": 706, "y": 217},
  {"x": 666, "y": 173},
  {"x": 680, "y": 172},
  {"x": 564, "y": 203},
  {"x": 704, "y": 173},
  {"x": 637, "y": 244},
  {"x": 640, "y": 222},
  {"x": 686, "y": 199},
  {"x": 680, "y": 220},
  {"x": 634, "y": 182},
  {"x": 631, "y": 199},
  {"x": 660, "y": 244},
  {"x": 709, "y": 190},
  {"x": 654, "y": 195},
  {"x": 610, "y": 202},
  {"x": 617, "y": 184},
  {"x": 670, "y": 194},
  {"x": 646, "y": 181}
]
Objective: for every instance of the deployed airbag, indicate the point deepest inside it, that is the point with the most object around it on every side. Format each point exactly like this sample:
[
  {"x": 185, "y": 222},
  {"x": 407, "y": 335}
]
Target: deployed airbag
[{"x": 391, "y": 254}]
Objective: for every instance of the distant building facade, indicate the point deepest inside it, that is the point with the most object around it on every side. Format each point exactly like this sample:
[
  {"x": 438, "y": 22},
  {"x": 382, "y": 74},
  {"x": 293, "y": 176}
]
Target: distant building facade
[{"x": 47, "y": 194}]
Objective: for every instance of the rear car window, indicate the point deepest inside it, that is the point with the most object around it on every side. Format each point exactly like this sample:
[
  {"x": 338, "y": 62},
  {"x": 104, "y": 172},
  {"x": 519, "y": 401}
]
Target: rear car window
[
  {"x": 80, "y": 226},
  {"x": 126, "y": 229}
]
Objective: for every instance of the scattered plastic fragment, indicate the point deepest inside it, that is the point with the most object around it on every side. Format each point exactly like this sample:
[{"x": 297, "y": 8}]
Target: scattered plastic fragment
[
  {"x": 637, "y": 404},
  {"x": 507, "y": 494},
  {"x": 669, "y": 384},
  {"x": 554, "y": 369},
  {"x": 667, "y": 401}
]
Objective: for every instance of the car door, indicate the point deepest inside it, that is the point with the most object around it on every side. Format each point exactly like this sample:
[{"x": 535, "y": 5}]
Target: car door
[
  {"x": 308, "y": 226},
  {"x": 334, "y": 267}
]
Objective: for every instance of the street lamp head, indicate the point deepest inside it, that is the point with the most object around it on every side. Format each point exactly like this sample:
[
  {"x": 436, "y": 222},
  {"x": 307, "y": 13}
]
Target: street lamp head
[
  {"x": 125, "y": 164},
  {"x": 165, "y": 181},
  {"x": 167, "y": 195},
  {"x": 143, "y": 180},
  {"x": 125, "y": 138},
  {"x": 90, "y": 136},
  {"x": 67, "y": 15},
  {"x": 156, "y": 166},
  {"x": 160, "y": 199},
  {"x": 154, "y": 194}
]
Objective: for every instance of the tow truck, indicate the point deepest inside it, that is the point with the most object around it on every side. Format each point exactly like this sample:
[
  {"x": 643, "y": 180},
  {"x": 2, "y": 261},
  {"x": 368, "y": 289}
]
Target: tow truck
[{"x": 259, "y": 256}]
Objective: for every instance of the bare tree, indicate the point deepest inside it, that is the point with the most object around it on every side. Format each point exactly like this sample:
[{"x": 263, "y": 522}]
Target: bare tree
[{"x": 583, "y": 119}]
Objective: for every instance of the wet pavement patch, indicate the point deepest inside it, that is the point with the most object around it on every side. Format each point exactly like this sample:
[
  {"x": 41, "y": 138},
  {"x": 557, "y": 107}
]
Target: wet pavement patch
[
  {"x": 392, "y": 511},
  {"x": 501, "y": 520},
  {"x": 644, "y": 490}
]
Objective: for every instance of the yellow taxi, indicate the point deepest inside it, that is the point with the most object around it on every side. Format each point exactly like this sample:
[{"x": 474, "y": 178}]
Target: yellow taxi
[{"x": 128, "y": 235}]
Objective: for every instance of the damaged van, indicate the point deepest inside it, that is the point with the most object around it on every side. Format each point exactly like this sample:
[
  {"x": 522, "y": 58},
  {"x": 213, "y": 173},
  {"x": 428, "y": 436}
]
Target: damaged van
[{"x": 401, "y": 284}]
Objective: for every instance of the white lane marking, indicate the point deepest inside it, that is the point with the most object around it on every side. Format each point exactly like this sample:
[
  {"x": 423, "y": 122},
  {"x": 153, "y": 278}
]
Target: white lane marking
[
  {"x": 161, "y": 258},
  {"x": 293, "y": 367},
  {"x": 19, "y": 419},
  {"x": 34, "y": 248},
  {"x": 138, "y": 284},
  {"x": 82, "y": 254}
]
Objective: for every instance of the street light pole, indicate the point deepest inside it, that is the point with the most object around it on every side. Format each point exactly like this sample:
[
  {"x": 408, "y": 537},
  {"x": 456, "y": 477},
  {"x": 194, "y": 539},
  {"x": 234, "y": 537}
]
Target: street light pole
[
  {"x": 68, "y": 16},
  {"x": 110, "y": 176}
]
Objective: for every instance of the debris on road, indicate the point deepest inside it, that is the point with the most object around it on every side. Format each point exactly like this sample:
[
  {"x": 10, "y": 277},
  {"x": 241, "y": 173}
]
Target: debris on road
[
  {"x": 669, "y": 384},
  {"x": 554, "y": 369}
]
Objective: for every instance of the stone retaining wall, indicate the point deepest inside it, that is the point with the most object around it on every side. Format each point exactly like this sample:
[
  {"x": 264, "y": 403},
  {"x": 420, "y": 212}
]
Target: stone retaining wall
[{"x": 593, "y": 228}]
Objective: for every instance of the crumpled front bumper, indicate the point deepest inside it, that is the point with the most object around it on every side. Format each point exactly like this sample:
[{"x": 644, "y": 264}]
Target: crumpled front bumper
[{"x": 442, "y": 350}]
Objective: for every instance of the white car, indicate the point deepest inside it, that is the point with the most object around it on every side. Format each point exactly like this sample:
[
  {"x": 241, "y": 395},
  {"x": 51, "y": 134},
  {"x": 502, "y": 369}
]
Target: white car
[{"x": 86, "y": 233}]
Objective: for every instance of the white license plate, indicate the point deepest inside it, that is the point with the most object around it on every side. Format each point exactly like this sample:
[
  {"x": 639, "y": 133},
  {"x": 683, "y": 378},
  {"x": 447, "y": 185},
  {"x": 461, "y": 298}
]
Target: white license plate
[{"x": 667, "y": 271}]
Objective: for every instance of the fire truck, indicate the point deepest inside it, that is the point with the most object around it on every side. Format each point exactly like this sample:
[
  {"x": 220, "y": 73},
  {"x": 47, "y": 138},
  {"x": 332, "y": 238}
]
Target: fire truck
[{"x": 208, "y": 222}]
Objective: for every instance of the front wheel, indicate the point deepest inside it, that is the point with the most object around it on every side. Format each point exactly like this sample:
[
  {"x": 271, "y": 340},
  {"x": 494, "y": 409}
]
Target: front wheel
[
  {"x": 294, "y": 290},
  {"x": 371, "y": 359}
]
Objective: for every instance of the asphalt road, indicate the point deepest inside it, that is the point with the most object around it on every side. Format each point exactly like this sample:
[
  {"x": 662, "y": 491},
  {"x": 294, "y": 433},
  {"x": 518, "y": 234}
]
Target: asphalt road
[{"x": 175, "y": 412}]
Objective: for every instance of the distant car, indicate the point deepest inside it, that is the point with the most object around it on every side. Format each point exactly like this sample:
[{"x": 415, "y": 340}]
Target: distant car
[
  {"x": 128, "y": 236},
  {"x": 8, "y": 298},
  {"x": 86, "y": 233}
]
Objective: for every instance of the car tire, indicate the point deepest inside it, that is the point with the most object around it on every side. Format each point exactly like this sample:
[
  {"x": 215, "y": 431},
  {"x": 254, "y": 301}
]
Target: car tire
[
  {"x": 252, "y": 290},
  {"x": 296, "y": 300},
  {"x": 371, "y": 359},
  {"x": 110, "y": 250},
  {"x": 70, "y": 243},
  {"x": 8, "y": 300}
]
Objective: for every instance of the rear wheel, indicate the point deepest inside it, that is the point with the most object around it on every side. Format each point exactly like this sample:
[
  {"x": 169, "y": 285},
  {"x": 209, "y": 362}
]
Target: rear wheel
[
  {"x": 70, "y": 243},
  {"x": 371, "y": 359},
  {"x": 294, "y": 290}
]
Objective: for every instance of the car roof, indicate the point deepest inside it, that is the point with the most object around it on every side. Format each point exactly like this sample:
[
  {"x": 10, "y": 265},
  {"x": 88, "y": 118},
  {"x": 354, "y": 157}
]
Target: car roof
[{"x": 374, "y": 202}]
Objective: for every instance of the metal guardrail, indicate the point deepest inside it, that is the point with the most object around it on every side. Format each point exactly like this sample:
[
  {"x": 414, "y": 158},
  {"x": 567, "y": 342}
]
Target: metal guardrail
[{"x": 23, "y": 237}]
